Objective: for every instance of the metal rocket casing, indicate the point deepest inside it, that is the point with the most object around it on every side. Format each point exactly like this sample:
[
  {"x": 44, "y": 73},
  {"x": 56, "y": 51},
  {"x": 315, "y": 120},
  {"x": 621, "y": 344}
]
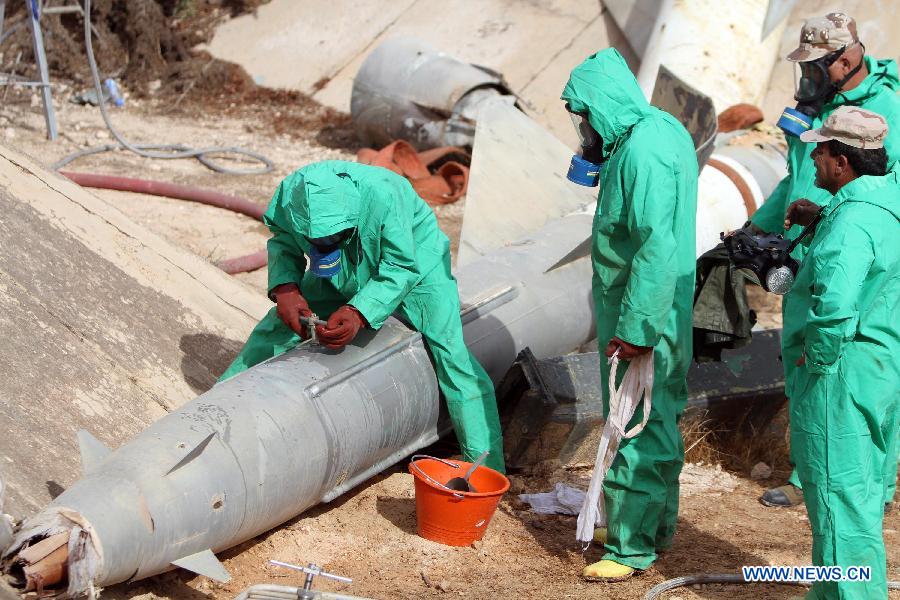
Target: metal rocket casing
[
  {"x": 255, "y": 451},
  {"x": 306, "y": 426},
  {"x": 406, "y": 89}
]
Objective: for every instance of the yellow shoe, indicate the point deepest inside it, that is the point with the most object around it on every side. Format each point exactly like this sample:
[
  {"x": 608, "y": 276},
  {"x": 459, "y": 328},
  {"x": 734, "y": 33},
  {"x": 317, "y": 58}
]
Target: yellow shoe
[{"x": 608, "y": 571}]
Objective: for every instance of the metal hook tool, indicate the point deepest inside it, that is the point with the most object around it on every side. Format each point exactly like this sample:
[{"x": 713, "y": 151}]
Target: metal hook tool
[{"x": 312, "y": 571}]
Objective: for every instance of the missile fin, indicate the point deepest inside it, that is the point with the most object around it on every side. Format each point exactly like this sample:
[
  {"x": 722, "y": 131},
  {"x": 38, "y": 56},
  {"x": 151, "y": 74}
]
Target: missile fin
[
  {"x": 204, "y": 563},
  {"x": 197, "y": 451},
  {"x": 777, "y": 12},
  {"x": 580, "y": 251},
  {"x": 636, "y": 19},
  {"x": 517, "y": 182},
  {"x": 92, "y": 451}
]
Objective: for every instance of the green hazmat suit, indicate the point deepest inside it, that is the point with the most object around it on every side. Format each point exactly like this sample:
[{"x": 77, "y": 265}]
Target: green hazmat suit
[
  {"x": 841, "y": 314},
  {"x": 643, "y": 255},
  {"x": 396, "y": 260},
  {"x": 878, "y": 93}
]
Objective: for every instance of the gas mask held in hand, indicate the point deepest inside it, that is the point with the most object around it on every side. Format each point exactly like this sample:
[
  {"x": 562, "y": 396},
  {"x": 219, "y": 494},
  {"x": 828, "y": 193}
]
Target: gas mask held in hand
[
  {"x": 325, "y": 254},
  {"x": 584, "y": 169},
  {"x": 768, "y": 256},
  {"x": 814, "y": 88}
]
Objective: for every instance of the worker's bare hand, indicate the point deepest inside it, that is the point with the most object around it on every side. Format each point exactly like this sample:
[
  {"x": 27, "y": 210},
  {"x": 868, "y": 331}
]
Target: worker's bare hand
[
  {"x": 801, "y": 212},
  {"x": 801, "y": 361},
  {"x": 341, "y": 328},
  {"x": 756, "y": 230},
  {"x": 291, "y": 305},
  {"x": 626, "y": 351}
]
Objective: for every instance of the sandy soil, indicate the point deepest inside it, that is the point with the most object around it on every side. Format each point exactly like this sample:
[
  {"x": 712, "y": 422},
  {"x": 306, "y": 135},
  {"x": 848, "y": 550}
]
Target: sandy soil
[
  {"x": 369, "y": 533},
  {"x": 370, "y": 536},
  {"x": 212, "y": 233},
  {"x": 209, "y": 232}
]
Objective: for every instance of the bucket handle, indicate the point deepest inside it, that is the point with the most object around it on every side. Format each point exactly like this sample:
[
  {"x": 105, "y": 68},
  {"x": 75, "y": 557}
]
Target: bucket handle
[{"x": 429, "y": 478}]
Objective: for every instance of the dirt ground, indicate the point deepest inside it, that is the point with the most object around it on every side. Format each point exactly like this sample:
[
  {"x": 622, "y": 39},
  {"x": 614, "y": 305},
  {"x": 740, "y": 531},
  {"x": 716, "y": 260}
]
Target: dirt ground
[
  {"x": 209, "y": 232},
  {"x": 147, "y": 44},
  {"x": 370, "y": 536},
  {"x": 369, "y": 533}
]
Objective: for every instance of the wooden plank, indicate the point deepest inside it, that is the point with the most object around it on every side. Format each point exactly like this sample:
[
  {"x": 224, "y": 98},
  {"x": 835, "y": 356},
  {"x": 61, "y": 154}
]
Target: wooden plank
[{"x": 44, "y": 548}]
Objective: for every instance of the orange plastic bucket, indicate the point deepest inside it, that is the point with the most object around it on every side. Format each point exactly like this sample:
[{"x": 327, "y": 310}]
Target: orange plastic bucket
[{"x": 450, "y": 517}]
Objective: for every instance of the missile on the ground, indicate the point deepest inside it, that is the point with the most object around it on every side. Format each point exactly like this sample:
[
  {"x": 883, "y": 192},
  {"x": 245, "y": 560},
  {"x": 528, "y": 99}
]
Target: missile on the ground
[
  {"x": 307, "y": 426},
  {"x": 304, "y": 427},
  {"x": 406, "y": 89}
]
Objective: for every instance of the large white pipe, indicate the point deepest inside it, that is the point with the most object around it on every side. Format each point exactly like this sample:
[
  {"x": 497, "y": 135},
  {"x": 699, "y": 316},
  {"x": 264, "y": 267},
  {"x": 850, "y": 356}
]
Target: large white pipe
[
  {"x": 733, "y": 184},
  {"x": 726, "y": 195},
  {"x": 741, "y": 173},
  {"x": 715, "y": 46}
]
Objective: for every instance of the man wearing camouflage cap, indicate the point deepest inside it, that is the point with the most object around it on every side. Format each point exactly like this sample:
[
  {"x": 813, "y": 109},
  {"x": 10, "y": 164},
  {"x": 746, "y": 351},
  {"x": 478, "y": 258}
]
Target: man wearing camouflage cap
[
  {"x": 834, "y": 71},
  {"x": 841, "y": 332}
]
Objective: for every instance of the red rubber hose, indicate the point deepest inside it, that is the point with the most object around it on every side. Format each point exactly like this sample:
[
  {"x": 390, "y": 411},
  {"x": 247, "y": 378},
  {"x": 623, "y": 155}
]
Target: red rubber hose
[
  {"x": 244, "y": 264},
  {"x": 240, "y": 264}
]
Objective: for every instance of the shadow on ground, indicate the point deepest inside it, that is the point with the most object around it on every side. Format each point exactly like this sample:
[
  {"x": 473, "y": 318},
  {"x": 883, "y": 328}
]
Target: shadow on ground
[
  {"x": 205, "y": 358},
  {"x": 399, "y": 511}
]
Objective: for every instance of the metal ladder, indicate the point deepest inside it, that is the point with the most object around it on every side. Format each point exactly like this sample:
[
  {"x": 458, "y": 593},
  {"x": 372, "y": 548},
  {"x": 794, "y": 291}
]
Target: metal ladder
[{"x": 35, "y": 8}]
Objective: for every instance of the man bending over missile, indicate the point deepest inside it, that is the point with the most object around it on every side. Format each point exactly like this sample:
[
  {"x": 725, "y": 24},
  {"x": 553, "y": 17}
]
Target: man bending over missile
[{"x": 374, "y": 247}]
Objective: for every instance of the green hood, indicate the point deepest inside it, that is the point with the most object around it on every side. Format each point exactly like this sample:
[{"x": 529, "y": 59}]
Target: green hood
[
  {"x": 889, "y": 201},
  {"x": 323, "y": 199},
  {"x": 883, "y": 192},
  {"x": 604, "y": 88},
  {"x": 882, "y": 74}
]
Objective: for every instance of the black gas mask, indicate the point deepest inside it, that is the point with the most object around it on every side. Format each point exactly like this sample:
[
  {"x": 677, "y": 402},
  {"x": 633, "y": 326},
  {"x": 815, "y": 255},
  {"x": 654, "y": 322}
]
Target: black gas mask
[
  {"x": 767, "y": 255},
  {"x": 584, "y": 169},
  {"x": 814, "y": 88}
]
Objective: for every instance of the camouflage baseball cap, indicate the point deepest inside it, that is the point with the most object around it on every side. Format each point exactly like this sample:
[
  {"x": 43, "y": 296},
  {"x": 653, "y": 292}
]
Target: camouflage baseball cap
[
  {"x": 824, "y": 35},
  {"x": 853, "y": 126}
]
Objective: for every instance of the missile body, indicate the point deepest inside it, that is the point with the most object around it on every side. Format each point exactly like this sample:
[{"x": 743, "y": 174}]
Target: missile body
[{"x": 304, "y": 427}]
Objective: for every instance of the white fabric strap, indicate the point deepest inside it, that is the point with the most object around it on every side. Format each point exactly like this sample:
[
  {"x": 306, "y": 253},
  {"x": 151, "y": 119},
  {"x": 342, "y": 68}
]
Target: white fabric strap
[{"x": 636, "y": 384}]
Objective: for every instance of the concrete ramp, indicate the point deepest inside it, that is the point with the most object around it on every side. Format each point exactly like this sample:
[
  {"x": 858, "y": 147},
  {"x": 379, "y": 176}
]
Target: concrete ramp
[
  {"x": 104, "y": 327},
  {"x": 317, "y": 46}
]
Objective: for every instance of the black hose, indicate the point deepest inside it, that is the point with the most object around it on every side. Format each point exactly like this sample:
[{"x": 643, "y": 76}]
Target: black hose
[{"x": 164, "y": 151}]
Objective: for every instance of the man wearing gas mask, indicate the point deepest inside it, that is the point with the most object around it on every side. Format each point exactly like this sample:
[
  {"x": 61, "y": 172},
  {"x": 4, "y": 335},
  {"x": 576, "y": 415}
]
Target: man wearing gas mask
[
  {"x": 841, "y": 332},
  {"x": 374, "y": 248},
  {"x": 832, "y": 70},
  {"x": 643, "y": 259}
]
